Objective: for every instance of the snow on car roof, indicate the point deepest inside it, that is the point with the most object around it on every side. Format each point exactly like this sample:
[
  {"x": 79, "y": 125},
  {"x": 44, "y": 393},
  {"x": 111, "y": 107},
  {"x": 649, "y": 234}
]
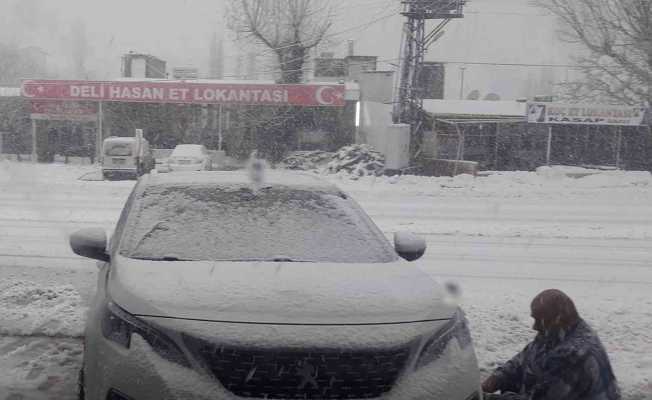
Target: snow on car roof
[
  {"x": 281, "y": 178},
  {"x": 188, "y": 150},
  {"x": 120, "y": 139},
  {"x": 475, "y": 107}
]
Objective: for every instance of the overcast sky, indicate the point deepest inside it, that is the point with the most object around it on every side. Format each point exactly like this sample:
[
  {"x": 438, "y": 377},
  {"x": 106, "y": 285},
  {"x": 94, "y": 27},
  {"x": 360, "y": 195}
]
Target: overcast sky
[{"x": 179, "y": 31}]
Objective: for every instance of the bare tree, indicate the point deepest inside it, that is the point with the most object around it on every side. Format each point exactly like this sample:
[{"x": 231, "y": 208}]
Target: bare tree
[
  {"x": 18, "y": 63},
  {"x": 9, "y": 64},
  {"x": 79, "y": 48},
  {"x": 216, "y": 58},
  {"x": 617, "y": 38},
  {"x": 290, "y": 28}
]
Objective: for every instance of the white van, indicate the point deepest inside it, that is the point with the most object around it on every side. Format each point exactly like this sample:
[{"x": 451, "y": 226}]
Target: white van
[{"x": 126, "y": 157}]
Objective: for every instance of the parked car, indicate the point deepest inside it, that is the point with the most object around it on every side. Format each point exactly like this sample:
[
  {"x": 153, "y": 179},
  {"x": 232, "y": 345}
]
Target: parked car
[
  {"x": 126, "y": 157},
  {"x": 212, "y": 288},
  {"x": 190, "y": 157}
]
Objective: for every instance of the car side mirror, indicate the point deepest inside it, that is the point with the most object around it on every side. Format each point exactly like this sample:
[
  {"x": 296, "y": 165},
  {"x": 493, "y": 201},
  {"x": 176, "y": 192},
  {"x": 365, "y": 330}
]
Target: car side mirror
[
  {"x": 90, "y": 243},
  {"x": 409, "y": 246}
]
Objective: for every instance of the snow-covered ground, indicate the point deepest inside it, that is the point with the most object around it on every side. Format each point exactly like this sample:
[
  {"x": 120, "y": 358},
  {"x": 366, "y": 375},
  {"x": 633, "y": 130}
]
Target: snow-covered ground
[{"x": 503, "y": 238}]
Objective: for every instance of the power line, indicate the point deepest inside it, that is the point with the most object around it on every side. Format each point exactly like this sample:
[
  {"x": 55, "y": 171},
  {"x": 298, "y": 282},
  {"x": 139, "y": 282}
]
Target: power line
[
  {"x": 308, "y": 56},
  {"x": 352, "y": 29},
  {"x": 509, "y": 13},
  {"x": 387, "y": 16},
  {"x": 394, "y": 13},
  {"x": 498, "y": 64}
]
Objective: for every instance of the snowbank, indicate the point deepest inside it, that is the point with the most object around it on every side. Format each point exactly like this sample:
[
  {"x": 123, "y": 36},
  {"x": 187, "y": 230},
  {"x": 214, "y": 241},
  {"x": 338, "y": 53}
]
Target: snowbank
[
  {"x": 39, "y": 368},
  {"x": 608, "y": 205},
  {"x": 507, "y": 185},
  {"x": 29, "y": 309}
]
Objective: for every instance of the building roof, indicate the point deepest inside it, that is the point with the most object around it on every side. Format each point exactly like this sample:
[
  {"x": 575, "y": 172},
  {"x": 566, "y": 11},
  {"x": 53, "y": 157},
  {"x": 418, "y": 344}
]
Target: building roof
[
  {"x": 206, "y": 81},
  {"x": 10, "y": 92},
  {"x": 475, "y": 108},
  {"x": 143, "y": 55}
]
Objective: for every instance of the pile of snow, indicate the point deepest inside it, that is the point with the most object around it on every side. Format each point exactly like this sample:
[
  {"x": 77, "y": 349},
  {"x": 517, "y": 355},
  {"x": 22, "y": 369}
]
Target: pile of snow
[
  {"x": 358, "y": 160},
  {"x": 307, "y": 160},
  {"x": 571, "y": 171},
  {"x": 39, "y": 368},
  {"x": 510, "y": 184},
  {"x": 30, "y": 309}
]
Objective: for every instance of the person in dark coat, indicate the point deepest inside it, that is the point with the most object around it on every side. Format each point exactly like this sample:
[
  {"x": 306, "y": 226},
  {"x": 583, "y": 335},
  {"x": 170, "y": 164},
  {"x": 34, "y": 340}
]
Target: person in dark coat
[{"x": 566, "y": 360}]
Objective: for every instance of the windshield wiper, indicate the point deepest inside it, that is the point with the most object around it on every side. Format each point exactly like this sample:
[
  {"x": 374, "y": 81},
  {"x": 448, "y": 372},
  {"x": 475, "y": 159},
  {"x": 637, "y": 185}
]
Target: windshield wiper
[
  {"x": 271, "y": 259},
  {"x": 164, "y": 259}
]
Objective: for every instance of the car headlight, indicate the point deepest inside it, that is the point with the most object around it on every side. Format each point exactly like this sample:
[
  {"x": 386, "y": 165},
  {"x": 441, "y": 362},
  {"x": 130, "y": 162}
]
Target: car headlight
[
  {"x": 118, "y": 326},
  {"x": 456, "y": 328}
]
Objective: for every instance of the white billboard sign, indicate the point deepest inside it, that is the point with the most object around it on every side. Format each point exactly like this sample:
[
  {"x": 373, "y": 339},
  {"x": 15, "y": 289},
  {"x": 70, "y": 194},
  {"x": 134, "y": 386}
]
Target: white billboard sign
[{"x": 581, "y": 114}]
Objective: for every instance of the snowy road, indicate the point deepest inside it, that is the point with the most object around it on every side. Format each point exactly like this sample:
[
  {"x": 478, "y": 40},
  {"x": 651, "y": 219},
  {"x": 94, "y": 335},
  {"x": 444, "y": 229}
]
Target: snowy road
[{"x": 502, "y": 239}]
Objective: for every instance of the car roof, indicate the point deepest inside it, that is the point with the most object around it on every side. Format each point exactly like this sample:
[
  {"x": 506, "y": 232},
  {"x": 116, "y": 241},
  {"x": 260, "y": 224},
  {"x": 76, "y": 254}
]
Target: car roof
[
  {"x": 120, "y": 139},
  {"x": 298, "y": 180},
  {"x": 188, "y": 149}
]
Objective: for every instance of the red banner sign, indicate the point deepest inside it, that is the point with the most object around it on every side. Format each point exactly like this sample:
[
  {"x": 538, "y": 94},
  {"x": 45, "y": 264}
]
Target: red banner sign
[
  {"x": 186, "y": 93},
  {"x": 63, "y": 110}
]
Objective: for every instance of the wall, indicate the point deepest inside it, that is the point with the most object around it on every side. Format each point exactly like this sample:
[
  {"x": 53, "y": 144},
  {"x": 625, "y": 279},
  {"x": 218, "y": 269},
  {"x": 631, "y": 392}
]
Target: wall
[
  {"x": 356, "y": 65},
  {"x": 377, "y": 86},
  {"x": 378, "y": 130},
  {"x": 374, "y": 120}
]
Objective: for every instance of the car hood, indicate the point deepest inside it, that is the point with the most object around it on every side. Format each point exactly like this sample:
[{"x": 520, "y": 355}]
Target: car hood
[{"x": 278, "y": 292}]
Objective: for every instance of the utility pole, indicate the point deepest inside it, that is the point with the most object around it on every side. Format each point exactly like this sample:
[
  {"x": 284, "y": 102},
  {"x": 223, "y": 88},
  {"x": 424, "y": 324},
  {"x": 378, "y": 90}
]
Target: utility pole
[
  {"x": 462, "y": 70},
  {"x": 408, "y": 96},
  {"x": 216, "y": 58}
]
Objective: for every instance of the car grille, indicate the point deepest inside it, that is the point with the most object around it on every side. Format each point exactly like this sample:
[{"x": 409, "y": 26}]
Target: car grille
[{"x": 302, "y": 374}]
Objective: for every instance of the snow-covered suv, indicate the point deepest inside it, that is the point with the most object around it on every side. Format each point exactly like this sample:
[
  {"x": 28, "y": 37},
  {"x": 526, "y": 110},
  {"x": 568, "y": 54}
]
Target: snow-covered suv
[{"x": 213, "y": 289}]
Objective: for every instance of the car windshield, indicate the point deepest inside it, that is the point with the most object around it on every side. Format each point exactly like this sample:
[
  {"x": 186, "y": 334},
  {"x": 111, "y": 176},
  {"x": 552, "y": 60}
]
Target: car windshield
[
  {"x": 118, "y": 149},
  {"x": 235, "y": 223}
]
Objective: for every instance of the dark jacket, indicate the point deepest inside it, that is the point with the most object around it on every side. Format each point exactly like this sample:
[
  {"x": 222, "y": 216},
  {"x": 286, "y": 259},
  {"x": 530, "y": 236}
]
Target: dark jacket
[{"x": 571, "y": 365}]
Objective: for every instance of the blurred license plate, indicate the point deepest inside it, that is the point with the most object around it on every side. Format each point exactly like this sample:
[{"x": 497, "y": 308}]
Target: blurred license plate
[
  {"x": 119, "y": 161},
  {"x": 185, "y": 162}
]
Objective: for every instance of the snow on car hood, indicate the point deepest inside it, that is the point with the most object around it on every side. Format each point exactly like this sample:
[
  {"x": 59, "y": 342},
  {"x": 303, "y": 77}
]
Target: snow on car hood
[{"x": 278, "y": 292}]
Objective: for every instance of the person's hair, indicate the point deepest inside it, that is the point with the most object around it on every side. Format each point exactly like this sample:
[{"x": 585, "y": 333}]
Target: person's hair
[{"x": 555, "y": 307}]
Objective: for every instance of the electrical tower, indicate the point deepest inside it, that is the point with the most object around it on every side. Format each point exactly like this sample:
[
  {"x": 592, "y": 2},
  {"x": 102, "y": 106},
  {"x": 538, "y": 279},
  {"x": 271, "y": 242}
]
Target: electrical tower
[{"x": 408, "y": 95}]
